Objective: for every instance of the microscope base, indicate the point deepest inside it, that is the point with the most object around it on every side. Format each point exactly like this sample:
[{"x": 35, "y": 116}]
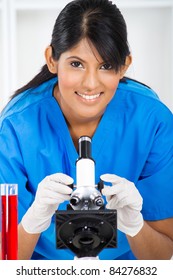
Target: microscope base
[{"x": 86, "y": 232}]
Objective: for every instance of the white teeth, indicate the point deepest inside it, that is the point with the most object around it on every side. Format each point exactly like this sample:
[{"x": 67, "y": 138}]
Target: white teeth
[{"x": 88, "y": 97}]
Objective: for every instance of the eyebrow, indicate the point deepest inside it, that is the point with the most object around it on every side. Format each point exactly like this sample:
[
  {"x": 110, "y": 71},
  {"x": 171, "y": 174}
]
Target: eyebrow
[{"x": 76, "y": 57}]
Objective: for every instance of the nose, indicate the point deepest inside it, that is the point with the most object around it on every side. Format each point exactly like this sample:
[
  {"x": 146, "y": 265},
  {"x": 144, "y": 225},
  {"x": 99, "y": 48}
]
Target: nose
[{"x": 90, "y": 80}]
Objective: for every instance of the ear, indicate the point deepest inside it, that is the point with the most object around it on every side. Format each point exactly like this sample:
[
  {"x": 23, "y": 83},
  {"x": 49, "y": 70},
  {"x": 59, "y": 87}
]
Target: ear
[
  {"x": 125, "y": 67},
  {"x": 51, "y": 64}
]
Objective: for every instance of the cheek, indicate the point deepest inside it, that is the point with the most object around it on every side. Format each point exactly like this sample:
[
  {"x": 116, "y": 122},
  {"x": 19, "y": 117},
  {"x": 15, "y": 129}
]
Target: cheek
[
  {"x": 68, "y": 81},
  {"x": 111, "y": 82}
]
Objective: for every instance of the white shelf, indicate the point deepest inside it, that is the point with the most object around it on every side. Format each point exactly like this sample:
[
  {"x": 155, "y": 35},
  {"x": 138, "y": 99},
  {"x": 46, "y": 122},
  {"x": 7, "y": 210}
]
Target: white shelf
[
  {"x": 22, "y": 41},
  {"x": 143, "y": 3},
  {"x": 51, "y": 4},
  {"x": 40, "y": 4}
]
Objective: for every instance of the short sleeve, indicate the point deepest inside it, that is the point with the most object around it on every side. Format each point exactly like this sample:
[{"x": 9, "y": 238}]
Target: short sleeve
[
  {"x": 11, "y": 165},
  {"x": 156, "y": 181}
]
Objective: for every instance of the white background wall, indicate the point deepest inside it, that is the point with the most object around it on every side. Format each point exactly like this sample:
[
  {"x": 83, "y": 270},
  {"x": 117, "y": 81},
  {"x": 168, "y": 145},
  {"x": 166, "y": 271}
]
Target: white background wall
[{"x": 25, "y": 31}]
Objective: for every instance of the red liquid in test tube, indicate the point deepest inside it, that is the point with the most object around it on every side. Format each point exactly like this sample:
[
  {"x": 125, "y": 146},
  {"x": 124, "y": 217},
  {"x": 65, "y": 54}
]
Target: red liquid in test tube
[{"x": 9, "y": 222}]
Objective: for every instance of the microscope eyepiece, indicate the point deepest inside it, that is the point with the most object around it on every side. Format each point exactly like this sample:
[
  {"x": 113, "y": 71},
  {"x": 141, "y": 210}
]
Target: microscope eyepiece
[{"x": 84, "y": 147}]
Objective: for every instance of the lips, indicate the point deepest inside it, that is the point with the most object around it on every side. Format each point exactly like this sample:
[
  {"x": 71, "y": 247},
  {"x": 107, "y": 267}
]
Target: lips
[{"x": 87, "y": 96}]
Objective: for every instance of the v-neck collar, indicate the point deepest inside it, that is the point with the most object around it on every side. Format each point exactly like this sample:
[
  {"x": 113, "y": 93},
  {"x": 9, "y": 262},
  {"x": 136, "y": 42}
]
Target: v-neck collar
[
  {"x": 101, "y": 134},
  {"x": 98, "y": 139}
]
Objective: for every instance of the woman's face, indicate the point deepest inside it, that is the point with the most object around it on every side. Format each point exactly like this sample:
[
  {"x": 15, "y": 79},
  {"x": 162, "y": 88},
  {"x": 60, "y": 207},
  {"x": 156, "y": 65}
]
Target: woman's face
[{"x": 86, "y": 84}]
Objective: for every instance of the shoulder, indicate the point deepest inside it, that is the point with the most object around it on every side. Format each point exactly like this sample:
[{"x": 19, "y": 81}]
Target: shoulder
[
  {"x": 138, "y": 97},
  {"x": 27, "y": 100},
  {"x": 137, "y": 89}
]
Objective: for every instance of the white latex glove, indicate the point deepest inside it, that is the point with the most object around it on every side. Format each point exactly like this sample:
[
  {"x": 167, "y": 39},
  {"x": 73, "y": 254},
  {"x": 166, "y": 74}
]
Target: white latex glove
[
  {"x": 126, "y": 199},
  {"x": 52, "y": 191}
]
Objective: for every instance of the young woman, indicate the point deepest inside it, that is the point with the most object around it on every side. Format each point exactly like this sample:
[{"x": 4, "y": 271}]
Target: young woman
[{"x": 82, "y": 90}]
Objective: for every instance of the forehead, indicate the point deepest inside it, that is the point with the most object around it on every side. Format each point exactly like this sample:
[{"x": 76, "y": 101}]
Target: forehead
[{"x": 84, "y": 48}]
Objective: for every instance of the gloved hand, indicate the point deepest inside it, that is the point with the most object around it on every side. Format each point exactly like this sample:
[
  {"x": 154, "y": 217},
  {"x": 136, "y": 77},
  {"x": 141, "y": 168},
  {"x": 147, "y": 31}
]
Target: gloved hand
[
  {"x": 52, "y": 191},
  {"x": 124, "y": 196}
]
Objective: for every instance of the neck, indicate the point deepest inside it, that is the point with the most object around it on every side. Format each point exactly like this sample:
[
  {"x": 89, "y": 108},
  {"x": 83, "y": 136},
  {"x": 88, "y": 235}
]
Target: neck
[{"x": 79, "y": 129}]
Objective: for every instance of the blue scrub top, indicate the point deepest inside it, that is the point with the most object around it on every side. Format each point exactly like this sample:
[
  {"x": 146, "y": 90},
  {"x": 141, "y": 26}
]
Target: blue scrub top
[{"x": 134, "y": 139}]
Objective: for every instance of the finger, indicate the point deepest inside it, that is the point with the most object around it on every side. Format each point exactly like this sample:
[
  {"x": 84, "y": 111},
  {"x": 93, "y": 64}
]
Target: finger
[
  {"x": 116, "y": 203},
  {"x": 108, "y": 197},
  {"x": 58, "y": 187},
  {"x": 58, "y": 200},
  {"x": 107, "y": 191},
  {"x": 52, "y": 197},
  {"x": 61, "y": 178},
  {"x": 112, "y": 203},
  {"x": 111, "y": 178}
]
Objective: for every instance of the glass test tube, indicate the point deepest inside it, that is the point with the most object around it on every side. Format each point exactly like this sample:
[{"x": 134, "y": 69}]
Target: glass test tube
[{"x": 9, "y": 221}]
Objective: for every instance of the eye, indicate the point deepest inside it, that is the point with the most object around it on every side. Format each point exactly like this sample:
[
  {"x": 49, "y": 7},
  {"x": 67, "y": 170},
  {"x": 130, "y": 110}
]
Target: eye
[
  {"x": 76, "y": 64},
  {"x": 106, "y": 66}
]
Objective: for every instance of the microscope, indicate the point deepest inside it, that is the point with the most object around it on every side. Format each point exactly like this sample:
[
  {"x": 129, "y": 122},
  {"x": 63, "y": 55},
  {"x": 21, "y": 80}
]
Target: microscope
[{"x": 86, "y": 227}]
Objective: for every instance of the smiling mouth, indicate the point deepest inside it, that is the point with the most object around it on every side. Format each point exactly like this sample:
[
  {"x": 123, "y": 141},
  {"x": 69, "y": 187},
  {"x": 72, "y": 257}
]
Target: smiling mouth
[{"x": 89, "y": 97}]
